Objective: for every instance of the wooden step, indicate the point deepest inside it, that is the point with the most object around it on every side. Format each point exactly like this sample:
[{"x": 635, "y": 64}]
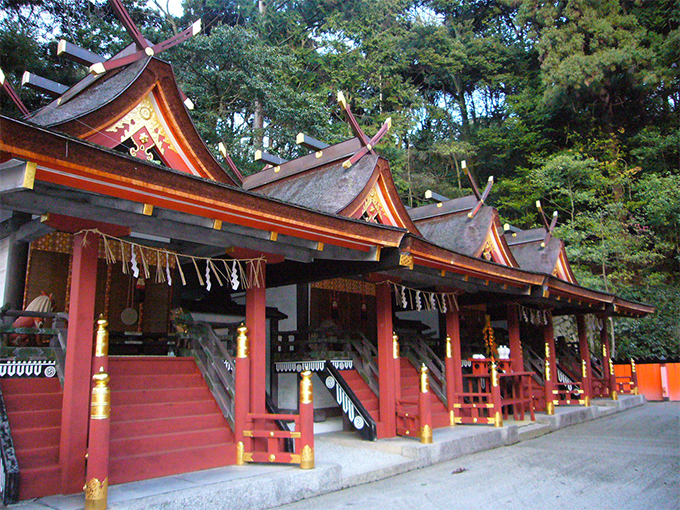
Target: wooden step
[
  {"x": 160, "y": 395},
  {"x": 162, "y": 410},
  {"x": 35, "y": 437},
  {"x": 30, "y": 419},
  {"x": 37, "y": 457},
  {"x": 182, "y": 460},
  {"x": 190, "y": 422},
  {"x": 30, "y": 385},
  {"x": 40, "y": 482},
  {"x": 32, "y": 401},
  {"x": 131, "y": 446},
  {"x": 152, "y": 365},
  {"x": 156, "y": 381}
]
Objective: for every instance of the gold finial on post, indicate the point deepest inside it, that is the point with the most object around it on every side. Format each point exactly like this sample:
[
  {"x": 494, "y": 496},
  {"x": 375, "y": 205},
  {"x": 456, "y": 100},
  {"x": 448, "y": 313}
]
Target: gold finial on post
[
  {"x": 242, "y": 342},
  {"x": 102, "y": 345},
  {"x": 395, "y": 345},
  {"x": 424, "y": 379}
]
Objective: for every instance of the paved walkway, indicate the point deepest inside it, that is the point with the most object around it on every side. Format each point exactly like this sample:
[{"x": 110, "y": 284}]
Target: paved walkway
[
  {"x": 627, "y": 461},
  {"x": 343, "y": 461}
]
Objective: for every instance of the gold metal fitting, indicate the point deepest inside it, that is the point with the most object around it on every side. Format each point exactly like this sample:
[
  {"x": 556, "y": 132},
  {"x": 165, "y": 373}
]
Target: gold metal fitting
[
  {"x": 395, "y": 345},
  {"x": 102, "y": 345},
  {"x": 587, "y": 401},
  {"x": 307, "y": 457},
  {"x": 242, "y": 342},
  {"x": 452, "y": 418},
  {"x": 584, "y": 368},
  {"x": 424, "y": 379},
  {"x": 100, "y": 408},
  {"x": 547, "y": 350},
  {"x": 550, "y": 408},
  {"x": 240, "y": 450},
  {"x": 449, "y": 349},
  {"x": 615, "y": 395},
  {"x": 306, "y": 389},
  {"x": 498, "y": 419},
  {"x": 96, "y": 494},
  {"x": 633, "y": 368},
  {"x": 426, "y": 434},
  {"x": 494, "y": 374}
]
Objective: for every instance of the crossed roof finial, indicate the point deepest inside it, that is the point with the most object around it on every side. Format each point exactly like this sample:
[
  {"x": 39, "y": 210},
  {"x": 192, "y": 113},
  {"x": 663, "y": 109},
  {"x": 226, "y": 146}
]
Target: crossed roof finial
[
  {"x": 368, "y": 143},
  {"x": 9, "y": 90},
  {"x": 549, "y": 227},
  {"x": 145, "y": 49},
  {"x": 481, "y": 197}
]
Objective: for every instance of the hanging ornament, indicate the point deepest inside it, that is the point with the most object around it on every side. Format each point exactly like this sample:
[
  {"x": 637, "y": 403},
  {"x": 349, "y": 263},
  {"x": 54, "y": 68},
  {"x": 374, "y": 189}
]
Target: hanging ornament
[
  {"x": 133, "y": 262},
  {"x": 443, "y": 305},
  {"x": 419, "y": 303},
  {"x": 404, "y": 301},
  {"x": 208, "y": 285},
  {"x": 433, "y": 302},
  {"x": 167, "y": 268},
  {"x": 234, "y": 276}
]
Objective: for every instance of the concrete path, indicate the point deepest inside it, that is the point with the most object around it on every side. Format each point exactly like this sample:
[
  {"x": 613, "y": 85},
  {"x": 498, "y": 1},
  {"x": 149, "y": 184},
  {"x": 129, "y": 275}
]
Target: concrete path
[
  {"x": 626, "y": 461},
  {"x": 343, "y": 460}
]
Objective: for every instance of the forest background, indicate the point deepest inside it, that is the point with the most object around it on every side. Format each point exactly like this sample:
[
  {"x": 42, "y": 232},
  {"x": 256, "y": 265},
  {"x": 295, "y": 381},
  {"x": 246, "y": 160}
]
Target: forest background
[{"x": 571, "y": 102}]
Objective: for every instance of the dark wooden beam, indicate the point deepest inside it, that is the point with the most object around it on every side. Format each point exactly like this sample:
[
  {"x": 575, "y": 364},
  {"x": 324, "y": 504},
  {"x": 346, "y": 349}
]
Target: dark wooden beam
[
  {"x": 49, "y": 87},
  {"x": 310, "y": 143},
  {"x": 77, "y": 54},
  {"x": 270, "y": 159}
]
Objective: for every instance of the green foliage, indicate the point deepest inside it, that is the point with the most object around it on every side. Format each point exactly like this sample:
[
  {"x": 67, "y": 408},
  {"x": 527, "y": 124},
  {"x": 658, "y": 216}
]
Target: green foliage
[{"x": 573, "y": 102}]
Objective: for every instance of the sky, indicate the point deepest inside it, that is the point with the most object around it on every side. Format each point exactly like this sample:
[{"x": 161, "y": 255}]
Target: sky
[{"x": 175, "y": 6}]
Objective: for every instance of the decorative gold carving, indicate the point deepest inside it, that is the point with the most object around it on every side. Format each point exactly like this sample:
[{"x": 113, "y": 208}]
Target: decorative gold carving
[
  {"x": 242, "y": 342},
  {"x": 424, "y": 379},
  {"x": 373, "y": 207},
  {"x": 306, "y": 389},
  {"x": 488, "y": 251},
  {"x": 272, "y": 458},
  {"x": 449, "y": 350},
  {"x": 611, "y": 367},
  {"x": 96, "y": 494},
  {"x": 240, "y": 450},
  {"x": 100, "y": 408},
  {"x": 143, "y": 116},
  {"x": 604, "y": 351},
  {"x": 633, "y": 368},
  {"x": 406, "y": 260},
  {"x": 395, "y": 345},
  {"x": 307, "y": 457},
  {"x": 426, "y": 434},
  {"x": 457, "y": 406}
]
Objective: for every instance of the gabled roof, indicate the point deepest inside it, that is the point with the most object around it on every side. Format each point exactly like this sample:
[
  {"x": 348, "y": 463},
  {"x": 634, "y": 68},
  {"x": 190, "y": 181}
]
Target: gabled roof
[
  {"x": 322, "y": 182},
  {"x": 140, "y": 106},
  {"x": 534, "y": 254},
  {"x": 449, "y": 224}
]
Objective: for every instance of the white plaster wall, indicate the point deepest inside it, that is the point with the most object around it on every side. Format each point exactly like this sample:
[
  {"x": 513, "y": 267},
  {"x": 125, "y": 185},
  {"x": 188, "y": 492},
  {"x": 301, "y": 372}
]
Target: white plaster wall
[
  {"x": 285, "y": 300},
  {"x": 289, "y": 390},
  {"x": 428, "y": 317}
]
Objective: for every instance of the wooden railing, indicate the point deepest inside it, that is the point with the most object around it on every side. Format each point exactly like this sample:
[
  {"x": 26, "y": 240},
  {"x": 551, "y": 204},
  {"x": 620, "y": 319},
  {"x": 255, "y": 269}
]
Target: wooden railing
[
  {"x": 419, "y": 353},
  {"x": 216, "y": 365},
  {"x": 350, "y": 404},
  {"x": 364, "y": 354}
]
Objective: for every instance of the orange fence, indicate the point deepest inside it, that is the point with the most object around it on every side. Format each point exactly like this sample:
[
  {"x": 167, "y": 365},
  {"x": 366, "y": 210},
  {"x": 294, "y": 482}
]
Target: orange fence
[{"x": 656, "y": 381}]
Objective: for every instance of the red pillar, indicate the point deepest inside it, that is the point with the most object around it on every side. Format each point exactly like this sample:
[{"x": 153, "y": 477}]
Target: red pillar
[
  {"x": 550, "y": 366},
  {"x": 586, "y": 367},
  {"x": 241, "y": 394},
  {"x": 76, "y": 404},
  {"x": 607, "y": 364},
  {"x": 387, "y": 427},
  {"x": 454, "y": 368},
  {"x": 256, "y": 322},
  {"x": 514, "y": 339}
]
